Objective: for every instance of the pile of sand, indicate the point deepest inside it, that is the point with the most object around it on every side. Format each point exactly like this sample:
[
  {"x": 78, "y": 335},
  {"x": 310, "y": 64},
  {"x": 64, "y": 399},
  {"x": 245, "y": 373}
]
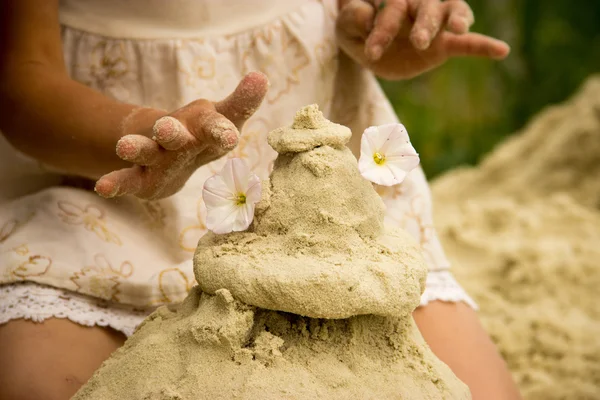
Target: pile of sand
[
  {"x": 314, "y": 301},
  {"x": 523, "y": 232}
]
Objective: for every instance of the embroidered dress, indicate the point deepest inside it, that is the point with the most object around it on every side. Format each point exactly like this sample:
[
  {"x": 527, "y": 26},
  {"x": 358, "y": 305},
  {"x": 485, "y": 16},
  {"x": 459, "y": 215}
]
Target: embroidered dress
[{"x": 66, "y": 252}]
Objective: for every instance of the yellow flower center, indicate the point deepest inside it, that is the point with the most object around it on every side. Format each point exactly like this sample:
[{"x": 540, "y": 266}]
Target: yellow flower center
[
  {"x": 240, "y": 199},
  {"x": 379, "y": 158}
]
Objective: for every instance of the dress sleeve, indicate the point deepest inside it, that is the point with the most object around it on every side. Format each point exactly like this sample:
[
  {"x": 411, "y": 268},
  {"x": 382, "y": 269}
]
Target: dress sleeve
[{"x": 442, "y": 286}]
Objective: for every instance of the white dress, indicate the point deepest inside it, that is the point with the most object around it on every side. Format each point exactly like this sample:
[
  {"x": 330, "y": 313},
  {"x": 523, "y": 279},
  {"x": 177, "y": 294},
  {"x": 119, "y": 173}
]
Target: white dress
[{"x": 66, "y": 252}]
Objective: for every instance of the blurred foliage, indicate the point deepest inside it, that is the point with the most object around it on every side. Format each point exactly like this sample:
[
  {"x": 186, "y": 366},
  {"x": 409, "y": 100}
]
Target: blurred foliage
[{"x": 459, "y": 111}]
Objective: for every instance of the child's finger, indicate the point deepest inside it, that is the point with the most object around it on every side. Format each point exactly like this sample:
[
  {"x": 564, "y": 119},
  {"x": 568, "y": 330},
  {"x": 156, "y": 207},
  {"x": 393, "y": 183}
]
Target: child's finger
[
  {"x": 215, "y": 129},
  {"x": 245, "y": 99},
  {"x": 474, "y": 45},
  {"x": 209, "y": 155},
  {"x": 121, "y": 182},
  {"x": 170, "y": 133},
  {"x": 207, "y": 126},
  {"x": 459, "y": 16},
  {"x": 356, "y": 20},
  {"x": 388, "y": 21},
  {"x": 428, "y": 21},
  {"x": 139, "y": 149}
]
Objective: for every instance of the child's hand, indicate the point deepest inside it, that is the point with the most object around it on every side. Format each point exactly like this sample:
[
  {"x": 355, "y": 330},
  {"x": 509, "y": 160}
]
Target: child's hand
[
  {"x": 400, "y": 39},
  {"x": 183, "y": 141}
]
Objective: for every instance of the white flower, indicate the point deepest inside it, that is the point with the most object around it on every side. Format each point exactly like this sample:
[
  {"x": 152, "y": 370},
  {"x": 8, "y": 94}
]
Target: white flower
[
  {"x": 386, "y": 155},
  {"x": 230, "y": 197}
]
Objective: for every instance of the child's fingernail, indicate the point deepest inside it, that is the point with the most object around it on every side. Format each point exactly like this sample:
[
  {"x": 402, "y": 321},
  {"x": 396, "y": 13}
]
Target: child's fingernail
[
  {"x": 421, "y": 39},
  {"x": 375, "y": 52},
  {"x": 164, "y": 128},
  {"x": 465, "y": 23},
  {"x": 226, "y": 139},
  {"x": 230, "y": 140},
  {"x": 459, "y": 24},
  {"x": 105, "y": 189}
]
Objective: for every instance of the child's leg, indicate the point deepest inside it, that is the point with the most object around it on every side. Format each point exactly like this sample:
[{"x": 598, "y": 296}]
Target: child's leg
[
  {"x": 455, "y": 335},
  {"x": 52, "y": 359}
]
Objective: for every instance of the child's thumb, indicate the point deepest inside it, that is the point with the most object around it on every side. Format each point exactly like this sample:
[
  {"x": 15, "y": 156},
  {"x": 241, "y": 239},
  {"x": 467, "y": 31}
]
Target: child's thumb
[{"x": 245, "y": 99}]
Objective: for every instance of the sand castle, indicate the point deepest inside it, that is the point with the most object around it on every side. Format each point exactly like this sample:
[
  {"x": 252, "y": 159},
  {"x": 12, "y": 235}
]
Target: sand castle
[{"x": 313, "y": 301}]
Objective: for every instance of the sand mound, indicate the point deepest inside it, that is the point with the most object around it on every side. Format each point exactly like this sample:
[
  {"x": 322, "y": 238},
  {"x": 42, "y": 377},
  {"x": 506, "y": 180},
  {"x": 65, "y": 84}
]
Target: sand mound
[
  {"x": 317, "y": 247},
  {"x": 523, "y": 232}
]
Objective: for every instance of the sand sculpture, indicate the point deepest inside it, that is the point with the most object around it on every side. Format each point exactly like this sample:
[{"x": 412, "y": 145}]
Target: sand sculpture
[{"x": 313, "y": 301}]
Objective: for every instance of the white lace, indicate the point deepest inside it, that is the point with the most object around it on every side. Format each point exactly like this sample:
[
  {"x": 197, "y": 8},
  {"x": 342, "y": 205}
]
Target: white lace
[
  {"x": 37, "y": 302},
  {"x": 442, "y": 286}
]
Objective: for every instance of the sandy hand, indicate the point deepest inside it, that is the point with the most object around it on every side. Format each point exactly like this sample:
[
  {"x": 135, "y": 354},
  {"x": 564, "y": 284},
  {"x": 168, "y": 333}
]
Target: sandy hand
[
  {"x": 399, "y": 39},
  {"x": 183, "y": 141}
]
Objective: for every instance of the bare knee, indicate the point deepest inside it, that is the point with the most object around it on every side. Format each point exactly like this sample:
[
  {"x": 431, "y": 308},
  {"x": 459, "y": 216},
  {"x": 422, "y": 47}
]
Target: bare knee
[
  {"x": 50, "y": 360},
  {"x": 19, "y": 384}
]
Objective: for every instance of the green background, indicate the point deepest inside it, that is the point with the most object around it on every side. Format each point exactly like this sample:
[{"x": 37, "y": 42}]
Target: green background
[{"x": 459, "y": 111}]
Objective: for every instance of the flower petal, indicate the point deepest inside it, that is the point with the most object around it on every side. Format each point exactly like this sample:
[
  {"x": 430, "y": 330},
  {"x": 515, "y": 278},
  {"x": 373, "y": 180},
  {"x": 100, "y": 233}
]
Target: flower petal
[
  {"x": 400, "y": 156},
  {"x": 378, "y": 174},
  {"x": 401, "y": 159},
  {"x": 373, "y": 137},
  {"x": 254, "y": 191},
  {"x": 366, "y": 162},
  {"x": 404, "y": 162},
  {"x": 221, "y": 219},
  {"x": 220, "y": 193},
  {"x": 241, "y": 174},
  {"x": 395, "y": 135},
  {"x": 244, "y": 217},
  {"x": 400, "y": 148},
  {"x": 398, "y": 173},
  {"x": 227, "y": 175},
  {"x": 216, "y": 192}
]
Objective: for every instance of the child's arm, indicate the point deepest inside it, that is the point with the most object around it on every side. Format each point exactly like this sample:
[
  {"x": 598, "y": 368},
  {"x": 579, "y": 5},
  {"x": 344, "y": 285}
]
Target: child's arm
[
  {"x": 455, "y": 335},
  {"x": 66, "y": 125},
  {"x": 44, "y": 113},
  {"x": 400, "y": 39}
]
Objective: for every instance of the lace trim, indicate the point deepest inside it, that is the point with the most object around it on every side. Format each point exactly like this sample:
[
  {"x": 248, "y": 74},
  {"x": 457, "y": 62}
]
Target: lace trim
[
  {"x": 441, "y": 285},
  {"x": 37, "y": 302}
]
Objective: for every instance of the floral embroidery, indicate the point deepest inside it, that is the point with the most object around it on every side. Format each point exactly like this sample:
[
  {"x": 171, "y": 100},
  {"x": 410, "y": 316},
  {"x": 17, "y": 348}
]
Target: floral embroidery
[
  {"x": 278, "y": 55},
  {"x": 252, "y": 148},
  {"x": 174, "y": 285},
  {"x": 202, "y": 64},
  {"x": 326, "y": 56},
  {"x": 29, "y": 265},
  {"x": 189, "y": 236},
  {"x": 108, "y": 69},
  {"x": 10, "y": 226},
  {"x": 304, "y": 66},
  {"x": 109, "y": 61},
  {"x": 156, "y": 214},
  {"x": 425, "y": 230},
  {"x": 35, "y": 266},
  {"x": 21, "y": 250},
  {"x": 90, "y": 216},
  {"x": 102, "y": 279}
]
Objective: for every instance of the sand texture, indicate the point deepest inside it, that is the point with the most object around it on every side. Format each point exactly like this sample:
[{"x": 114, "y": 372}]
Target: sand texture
[
  {"x": 317, "y": 246},
  {"x": 255, "y": 329},
  {"x": 523, "y": 233}
]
